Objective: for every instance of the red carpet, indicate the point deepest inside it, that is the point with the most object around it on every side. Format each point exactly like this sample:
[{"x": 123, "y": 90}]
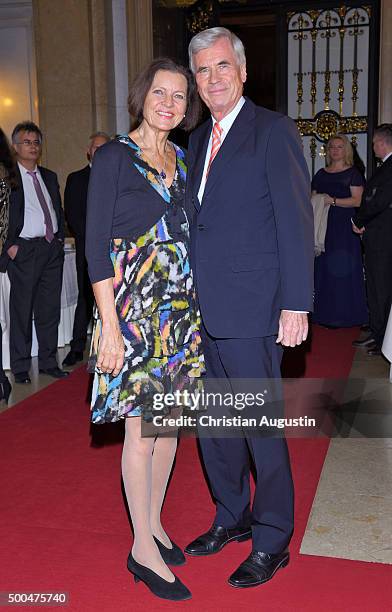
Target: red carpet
[{"x": 64, "y": 526}]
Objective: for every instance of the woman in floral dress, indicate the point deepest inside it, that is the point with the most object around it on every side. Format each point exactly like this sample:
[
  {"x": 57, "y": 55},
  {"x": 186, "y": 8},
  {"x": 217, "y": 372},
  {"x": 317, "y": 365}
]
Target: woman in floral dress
[{"x": 146, "y": 339}]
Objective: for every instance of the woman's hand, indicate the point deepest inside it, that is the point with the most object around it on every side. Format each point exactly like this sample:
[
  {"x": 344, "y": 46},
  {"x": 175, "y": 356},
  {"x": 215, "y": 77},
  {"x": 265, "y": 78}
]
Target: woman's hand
[
  {"x": 328, "y": 200},
  {"x": 111, "y": 349}
]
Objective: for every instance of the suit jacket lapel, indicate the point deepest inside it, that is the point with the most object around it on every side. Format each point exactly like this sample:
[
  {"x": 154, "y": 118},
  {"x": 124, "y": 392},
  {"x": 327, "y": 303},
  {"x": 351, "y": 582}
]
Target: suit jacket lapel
[
  {"x": 238, "y": 134},
  {"x": 382, "y": 170},
  {"x": 200, "y": 156},
  {"x": 52, "y": 191},
  {"x": 18, "y": 194}
]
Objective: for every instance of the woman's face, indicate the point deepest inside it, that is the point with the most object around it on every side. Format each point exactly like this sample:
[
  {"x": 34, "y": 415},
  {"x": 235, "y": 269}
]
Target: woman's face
[
  {"x": 336, "y": 150},
  {"x": 165, "y": 103}
]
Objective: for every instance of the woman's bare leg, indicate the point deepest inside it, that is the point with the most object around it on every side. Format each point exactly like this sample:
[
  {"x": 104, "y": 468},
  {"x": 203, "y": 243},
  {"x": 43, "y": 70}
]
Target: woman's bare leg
[
  {"x": 137, "y": 476},
  {"x": 162, "y": 463}
]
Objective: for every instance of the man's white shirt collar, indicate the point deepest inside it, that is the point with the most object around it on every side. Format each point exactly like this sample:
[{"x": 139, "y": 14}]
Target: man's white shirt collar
[
  {"x": 387, "y": 157},
  {"x": 24, "y": 170},
  {"x": 225, "y": 125},
  {"x": 228, "y": 121}
]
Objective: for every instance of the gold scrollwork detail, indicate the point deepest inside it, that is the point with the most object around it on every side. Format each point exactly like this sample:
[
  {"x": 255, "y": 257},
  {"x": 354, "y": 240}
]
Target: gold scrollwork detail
[
  {"x": 305, "y": 126},
  {"x": 313, "y": 147},
  {"x": 349, "y": 125},
  {"x": 200, "y": 18},
  {"x": 326, "y": 125}
]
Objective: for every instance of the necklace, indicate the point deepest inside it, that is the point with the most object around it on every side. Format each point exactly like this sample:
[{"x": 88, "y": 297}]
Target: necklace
[{"x": 162, "y": 173}]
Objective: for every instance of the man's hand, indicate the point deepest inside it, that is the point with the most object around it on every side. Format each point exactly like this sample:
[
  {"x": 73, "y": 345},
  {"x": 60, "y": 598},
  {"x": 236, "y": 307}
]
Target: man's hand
[
  {"x": 12, "y": 251},
  {"x": 293, "y": 328},
  {"x": 356, "y": 229}
]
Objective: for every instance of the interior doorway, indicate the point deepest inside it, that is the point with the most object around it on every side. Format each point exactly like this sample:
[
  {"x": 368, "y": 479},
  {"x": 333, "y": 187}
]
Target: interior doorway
[{"x": 258, "y": 32}]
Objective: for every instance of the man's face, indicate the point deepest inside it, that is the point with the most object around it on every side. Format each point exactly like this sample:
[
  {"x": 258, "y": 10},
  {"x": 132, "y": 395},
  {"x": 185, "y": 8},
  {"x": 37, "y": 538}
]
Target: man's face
[
  {"x": 379, "y": 147},
  {"x": 220, "y": 80},
  {"x": 95, "y": 143},
  {"x": 27, "y": 147}
]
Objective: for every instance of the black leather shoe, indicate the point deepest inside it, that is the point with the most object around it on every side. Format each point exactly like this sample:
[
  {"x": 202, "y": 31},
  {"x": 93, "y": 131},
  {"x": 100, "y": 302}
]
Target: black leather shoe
[
  {"x": 22, "y": 378},
  {"x": 216, "y": 538},
  {"x": 258, "y": 568},
  {"x": 171, "y": 556},
  {"x": 374, "y": 350},
  {"x": 174, "y": 591},
  {"x": 363, "y": 343},
  {"x": 72, "y": 358},
  {"x": 54, "y": 372},
  {"x": 5, "y": 390}
]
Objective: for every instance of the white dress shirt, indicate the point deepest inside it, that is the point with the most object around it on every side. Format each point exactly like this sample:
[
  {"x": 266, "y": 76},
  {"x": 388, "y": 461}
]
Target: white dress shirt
[
  {"x": 386, "y": 157},
  {"x": 34, "y": 221},
  {"x": 225, "y": 125}
]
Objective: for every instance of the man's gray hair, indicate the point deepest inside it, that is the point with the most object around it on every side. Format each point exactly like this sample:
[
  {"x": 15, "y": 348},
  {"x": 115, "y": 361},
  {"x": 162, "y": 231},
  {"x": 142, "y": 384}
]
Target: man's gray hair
[
  {"x": 101, "y": 135},
  {"x": 207, "y": 38}
]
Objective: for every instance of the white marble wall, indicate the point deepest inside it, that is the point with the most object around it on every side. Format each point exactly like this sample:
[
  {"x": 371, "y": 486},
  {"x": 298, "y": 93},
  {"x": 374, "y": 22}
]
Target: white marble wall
[{"x": 18, "y": 83}]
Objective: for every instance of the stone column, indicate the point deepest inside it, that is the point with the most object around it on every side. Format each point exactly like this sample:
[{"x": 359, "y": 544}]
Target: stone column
[
  {"x": 385, "y": 86},
  {"x": 140, "y": 36},
  {"x": 70, "y": 44}
]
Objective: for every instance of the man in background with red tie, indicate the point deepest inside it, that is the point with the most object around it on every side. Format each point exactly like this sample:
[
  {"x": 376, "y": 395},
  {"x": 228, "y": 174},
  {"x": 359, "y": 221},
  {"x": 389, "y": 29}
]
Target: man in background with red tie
[{"x": 33, "y": 256}]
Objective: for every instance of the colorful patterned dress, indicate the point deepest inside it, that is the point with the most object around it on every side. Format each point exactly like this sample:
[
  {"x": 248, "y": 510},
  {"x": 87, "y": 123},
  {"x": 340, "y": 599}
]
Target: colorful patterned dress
[{"x": 156, "y": 308}]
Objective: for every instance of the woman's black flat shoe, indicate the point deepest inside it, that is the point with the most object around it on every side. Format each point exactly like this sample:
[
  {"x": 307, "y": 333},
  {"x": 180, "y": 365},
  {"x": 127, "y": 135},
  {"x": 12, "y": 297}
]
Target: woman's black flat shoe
[
  {"x": 5, "y": 390},
  {"x": 171, "y": 556},
  {"x": 174, "y": 591}
]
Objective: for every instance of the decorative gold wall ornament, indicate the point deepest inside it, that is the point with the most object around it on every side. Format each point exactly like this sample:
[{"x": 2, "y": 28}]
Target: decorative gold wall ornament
[
  {"x": 176, "y": 3},
  {"x": 313, "y": 152},
  {"x": 200, "y": 18},
  {"x": 300, "y": 36},
  {"x": 325, "y": 24},
  {"x": 327, "y": 123}
]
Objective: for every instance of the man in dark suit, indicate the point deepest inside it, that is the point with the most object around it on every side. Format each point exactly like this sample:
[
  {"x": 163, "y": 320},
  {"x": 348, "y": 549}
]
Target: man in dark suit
[
  {"x": 33, "y": 256},
  {"x": 75, "y": 207},
  {"x": 374, "y": 221},
  {"x": 248, "y": 192}
]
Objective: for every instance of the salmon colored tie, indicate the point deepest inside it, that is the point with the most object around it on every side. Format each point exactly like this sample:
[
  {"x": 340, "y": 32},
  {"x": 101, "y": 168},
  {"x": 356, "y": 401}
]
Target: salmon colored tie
[{"x": 216, "y": 144}]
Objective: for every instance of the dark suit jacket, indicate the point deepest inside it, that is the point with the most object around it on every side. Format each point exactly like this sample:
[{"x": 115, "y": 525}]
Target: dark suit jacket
[
  {"x": 75, "y": 201},
  {"x": 17, "y": 209},
  {"x": 375, "y": 212},
  {"x": 252, "y": 238}
]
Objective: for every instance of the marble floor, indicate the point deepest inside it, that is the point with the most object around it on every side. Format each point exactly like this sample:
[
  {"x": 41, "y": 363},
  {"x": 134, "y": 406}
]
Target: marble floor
[
  {"x": 38, "y": 381},
  {"x": 351, "y": 517}
]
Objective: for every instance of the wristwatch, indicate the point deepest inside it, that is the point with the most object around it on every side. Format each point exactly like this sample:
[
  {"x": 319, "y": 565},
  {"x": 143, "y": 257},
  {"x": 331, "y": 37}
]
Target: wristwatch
[{"x": 334, "y": 202}]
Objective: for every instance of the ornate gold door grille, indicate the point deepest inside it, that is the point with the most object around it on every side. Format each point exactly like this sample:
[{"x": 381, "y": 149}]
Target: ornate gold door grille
[{"x": 328, "y": 62}]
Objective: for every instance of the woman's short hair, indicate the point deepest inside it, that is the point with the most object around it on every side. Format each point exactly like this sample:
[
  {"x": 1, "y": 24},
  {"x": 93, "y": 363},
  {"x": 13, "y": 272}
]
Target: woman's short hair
[
  {"x": 348, "y": 149},
  {"x": 142, "y": 85},
  {"x": 207, "y": 38}
]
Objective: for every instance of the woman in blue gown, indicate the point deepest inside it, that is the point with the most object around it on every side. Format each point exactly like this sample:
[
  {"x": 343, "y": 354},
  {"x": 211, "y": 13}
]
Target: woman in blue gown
[{"x": 340, "y": 298}]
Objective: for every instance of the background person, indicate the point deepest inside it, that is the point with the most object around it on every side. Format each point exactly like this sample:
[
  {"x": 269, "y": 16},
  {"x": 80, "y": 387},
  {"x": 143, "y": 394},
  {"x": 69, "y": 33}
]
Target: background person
[
  {"x": 339, "y": 284},
  {"x": 33, "y": 255},
  {"x": 374, "y": 221},
  {"x": 7, "y": 181},
  {"x": 137, "y": 252},
  {"x": 75, "y": 208}
]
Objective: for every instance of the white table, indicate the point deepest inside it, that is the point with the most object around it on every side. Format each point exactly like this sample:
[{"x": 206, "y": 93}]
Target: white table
[
  {"x": 387, "y": 343},
  {"x": 69, "y": 298}
]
